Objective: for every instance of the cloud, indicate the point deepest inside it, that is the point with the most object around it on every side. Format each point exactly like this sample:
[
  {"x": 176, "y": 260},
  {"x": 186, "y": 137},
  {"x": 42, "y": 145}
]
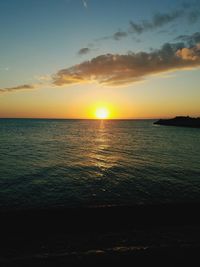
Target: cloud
[
  {"x": 191, "y": 40},
  {"x": 43, "y": 78},
  {"x": 84, "y": 51},
  {"x": 189, "y": 54},
  {"x": 124, "y": 69},
  {"x": 85, "y": 4},
  {"x": 193, "y": 16},
  {"x": 188, "y": 11},
  {"x": 119, "y": 35},
  {"x": 115, "y": 70},
  {"x": 17, "y": 88},
  {"x": 4, "y": 68},
  {"x": 157, "y": 21},
  {"x": 116, "y": 36}
]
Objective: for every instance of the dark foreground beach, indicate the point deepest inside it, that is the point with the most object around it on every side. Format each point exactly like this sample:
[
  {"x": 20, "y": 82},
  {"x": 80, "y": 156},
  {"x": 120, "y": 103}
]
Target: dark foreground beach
[{"x": 156, "y": 235}]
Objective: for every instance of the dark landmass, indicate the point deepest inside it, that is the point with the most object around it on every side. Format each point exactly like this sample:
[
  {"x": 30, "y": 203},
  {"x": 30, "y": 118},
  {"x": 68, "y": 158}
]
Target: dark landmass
[
  {"x": 180, "y": 121},
  {"x": 141, "y": 235}
]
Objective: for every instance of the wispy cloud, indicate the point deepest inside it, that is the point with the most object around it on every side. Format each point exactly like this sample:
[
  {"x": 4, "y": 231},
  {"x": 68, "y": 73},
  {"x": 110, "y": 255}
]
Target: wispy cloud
[
  {"x": 188, "y": 11},
  {"x": 85, "y": 3},
  {"x": 84, "y": 51},
  {"x": 161, "y": 19},
  {"x": 4, "y": 68},
  {"x": 194, "y": 15},
  {"x": 190, "y": 39},
  {"x": 119, "y": 35},
  {"x": 158, "y": 20},
  {"x": 17, "y": 88}
]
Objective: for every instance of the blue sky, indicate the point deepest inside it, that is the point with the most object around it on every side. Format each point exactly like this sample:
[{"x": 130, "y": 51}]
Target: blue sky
[{"x": 41, "y": 37}]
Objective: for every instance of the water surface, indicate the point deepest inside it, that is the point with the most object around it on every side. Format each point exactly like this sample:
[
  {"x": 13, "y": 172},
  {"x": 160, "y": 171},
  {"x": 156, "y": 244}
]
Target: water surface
[{"x": 53, "y": 163}]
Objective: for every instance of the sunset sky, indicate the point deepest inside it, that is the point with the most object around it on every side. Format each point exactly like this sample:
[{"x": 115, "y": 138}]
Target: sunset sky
[{"x": 67, "y": 58}]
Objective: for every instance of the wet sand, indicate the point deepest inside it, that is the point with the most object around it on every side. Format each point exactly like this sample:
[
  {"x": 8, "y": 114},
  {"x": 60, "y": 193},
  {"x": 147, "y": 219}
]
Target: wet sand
[{"x": 160, "y": 235}]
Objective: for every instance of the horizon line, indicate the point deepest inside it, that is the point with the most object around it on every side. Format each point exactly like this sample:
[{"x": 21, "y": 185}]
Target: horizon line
[
  {"x": 43, "y": 118},
  {"x": 46, "y": 118}
]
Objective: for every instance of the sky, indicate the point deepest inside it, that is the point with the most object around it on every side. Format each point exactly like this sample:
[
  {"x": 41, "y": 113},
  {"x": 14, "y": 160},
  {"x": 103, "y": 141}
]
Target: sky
[{"x": 69, "y": 58}]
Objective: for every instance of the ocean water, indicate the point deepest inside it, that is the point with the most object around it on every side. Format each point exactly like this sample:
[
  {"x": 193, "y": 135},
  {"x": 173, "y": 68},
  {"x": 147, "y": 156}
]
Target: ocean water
[{"x": 56, "y": 163}]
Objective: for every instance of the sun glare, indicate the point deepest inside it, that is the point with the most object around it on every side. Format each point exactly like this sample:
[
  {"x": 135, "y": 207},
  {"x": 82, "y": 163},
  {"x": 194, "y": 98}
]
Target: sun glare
[{"x": 102, "y": 113}]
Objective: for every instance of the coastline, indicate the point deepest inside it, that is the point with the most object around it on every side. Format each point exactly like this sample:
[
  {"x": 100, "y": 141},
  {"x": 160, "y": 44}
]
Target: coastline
[{"x": 180, "y": 121}]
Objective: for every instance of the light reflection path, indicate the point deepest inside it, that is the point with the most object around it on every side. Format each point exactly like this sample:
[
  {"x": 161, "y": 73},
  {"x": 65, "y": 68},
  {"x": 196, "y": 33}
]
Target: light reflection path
[{"x": 101, "y": 154}]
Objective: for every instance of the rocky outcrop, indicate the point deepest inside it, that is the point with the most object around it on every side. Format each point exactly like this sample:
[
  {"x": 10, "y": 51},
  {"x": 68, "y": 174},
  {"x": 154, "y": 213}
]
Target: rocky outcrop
[{"x": 180, "y": 121}]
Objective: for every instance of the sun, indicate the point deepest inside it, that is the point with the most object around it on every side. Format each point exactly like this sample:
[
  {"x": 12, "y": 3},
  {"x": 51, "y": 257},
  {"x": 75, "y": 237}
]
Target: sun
[{"x": 102, "y": 113}]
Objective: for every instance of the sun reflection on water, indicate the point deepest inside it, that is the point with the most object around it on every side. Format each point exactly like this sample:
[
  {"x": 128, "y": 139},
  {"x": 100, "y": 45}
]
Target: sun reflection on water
[{"x": 101, "y": 153}]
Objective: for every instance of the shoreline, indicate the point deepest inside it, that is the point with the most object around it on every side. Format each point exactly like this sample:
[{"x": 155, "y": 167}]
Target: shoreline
[
  {"x": 96, "y": 236},
  {"x": 91, "y": 218}
]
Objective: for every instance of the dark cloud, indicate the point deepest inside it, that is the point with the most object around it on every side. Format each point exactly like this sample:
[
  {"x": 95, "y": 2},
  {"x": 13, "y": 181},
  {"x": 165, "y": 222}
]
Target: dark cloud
[
  {"x": 17, "y": 88},
  {"x": 136, "y": 27},
  {"x": 188, "y": 11},
  {"x": 157, "y": 21},
  {"x": 191, "y": 40},
  {"x": 190, "y": 4},
  {"x": 119, "y": 35},
  {"x": 116, "y": 36},
  {"x": 193, "y": 16},
  {"x": 160, "y": 20},
  {"x": 187, "y": 5},
  {"x": 84, "y": 51},
  {"x": 115, "y": 70}
]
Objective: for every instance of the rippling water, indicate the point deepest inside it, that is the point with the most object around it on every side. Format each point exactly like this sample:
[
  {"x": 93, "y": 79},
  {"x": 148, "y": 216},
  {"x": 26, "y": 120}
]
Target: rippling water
[{"x": 48, "y": 163}]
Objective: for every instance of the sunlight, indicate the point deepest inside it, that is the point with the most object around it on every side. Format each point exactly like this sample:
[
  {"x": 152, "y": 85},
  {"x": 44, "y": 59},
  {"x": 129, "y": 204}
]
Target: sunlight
[{"x": 102, "y": 113}]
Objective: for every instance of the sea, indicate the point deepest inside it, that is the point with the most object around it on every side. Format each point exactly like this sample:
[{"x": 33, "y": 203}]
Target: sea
[{"x": 47, "y": 163}]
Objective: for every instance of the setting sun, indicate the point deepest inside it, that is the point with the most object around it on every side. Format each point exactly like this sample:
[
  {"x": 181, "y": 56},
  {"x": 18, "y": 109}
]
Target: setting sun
[{"x": 102, "y": 113}]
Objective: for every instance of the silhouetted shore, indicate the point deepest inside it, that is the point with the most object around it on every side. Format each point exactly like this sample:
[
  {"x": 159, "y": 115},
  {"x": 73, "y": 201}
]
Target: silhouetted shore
[
  {"x": 180, "y": 121},
  {"x": 163, "y": 235}
]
